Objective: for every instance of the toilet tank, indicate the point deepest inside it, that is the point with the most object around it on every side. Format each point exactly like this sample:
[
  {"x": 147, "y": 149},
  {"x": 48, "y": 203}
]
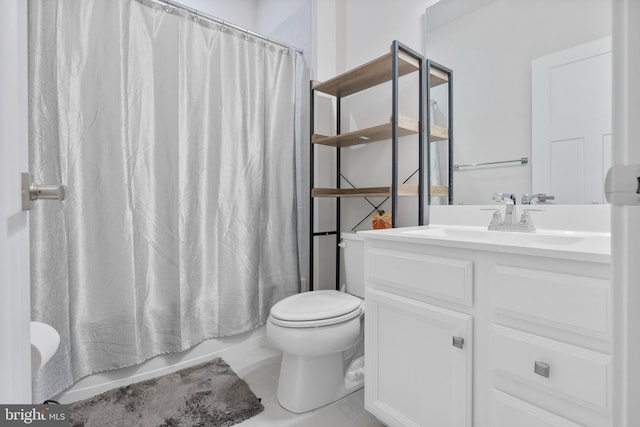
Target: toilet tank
[{"x": 353, "y": 249}]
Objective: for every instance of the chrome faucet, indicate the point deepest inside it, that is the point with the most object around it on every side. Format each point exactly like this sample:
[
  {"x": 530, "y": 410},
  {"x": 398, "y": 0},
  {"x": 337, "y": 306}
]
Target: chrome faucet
[
  {"x": 527, "y": 199},
  {"x": 509, "y": 224},
  {"x": 510, "y": 200}
]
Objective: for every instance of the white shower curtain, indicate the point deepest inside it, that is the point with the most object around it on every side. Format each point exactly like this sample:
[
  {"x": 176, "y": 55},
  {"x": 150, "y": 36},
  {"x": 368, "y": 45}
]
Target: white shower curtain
[{"x": 174, "y": 138}]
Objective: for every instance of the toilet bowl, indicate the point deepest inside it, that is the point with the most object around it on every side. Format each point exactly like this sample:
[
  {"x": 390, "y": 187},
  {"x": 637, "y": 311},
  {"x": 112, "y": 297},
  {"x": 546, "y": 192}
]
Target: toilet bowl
[{"x": 321, "y": 335}]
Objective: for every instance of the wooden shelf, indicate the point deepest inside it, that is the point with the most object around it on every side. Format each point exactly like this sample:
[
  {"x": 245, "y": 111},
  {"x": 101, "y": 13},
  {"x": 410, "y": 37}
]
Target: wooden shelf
[
  {"x": 367, "y": 75},
  {"x": 406, "y": 126},
  {"x": 439, "y": 191},
  {"x": 438, "y": 133},
  {"x": 437, "y": 77},
  {"x": 404, "y": 190}
]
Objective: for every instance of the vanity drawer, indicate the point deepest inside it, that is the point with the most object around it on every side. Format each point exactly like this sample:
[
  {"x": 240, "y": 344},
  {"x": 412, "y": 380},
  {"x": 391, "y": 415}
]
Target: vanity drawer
[
  {"x": 570, "y": 302},
  {"x": 505, "y": 409},
  {"x": 448, "y": 279},
  {"x": 574, "y": 373}
]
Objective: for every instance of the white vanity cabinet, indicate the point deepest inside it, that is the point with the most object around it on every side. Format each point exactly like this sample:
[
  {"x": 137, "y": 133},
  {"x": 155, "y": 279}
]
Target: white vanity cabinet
[
  {"x": 418, "y": 353},
  {"x": 536, "y": 327}
]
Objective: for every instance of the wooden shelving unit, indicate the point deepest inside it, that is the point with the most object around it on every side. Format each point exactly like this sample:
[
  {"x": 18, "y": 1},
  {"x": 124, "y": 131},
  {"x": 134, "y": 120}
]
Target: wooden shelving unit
[{"x": 400, "y": 61}]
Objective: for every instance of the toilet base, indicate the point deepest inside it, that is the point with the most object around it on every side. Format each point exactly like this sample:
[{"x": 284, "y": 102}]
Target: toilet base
[{"x": 307, "y": 383}]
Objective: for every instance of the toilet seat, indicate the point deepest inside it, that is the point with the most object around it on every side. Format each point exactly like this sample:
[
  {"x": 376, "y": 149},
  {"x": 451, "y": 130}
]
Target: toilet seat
[{"x": 316, "y": 308}]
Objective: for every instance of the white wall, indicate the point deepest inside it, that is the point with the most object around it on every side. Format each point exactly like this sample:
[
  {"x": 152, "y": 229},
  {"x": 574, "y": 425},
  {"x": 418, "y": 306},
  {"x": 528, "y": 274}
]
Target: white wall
[
  {"x": 238, "y": 12},
  {"x": 371, "y": 26},
  {"x": 273, "y": 13},
  {"x": 262, "y": 17},
  {"x": 490, "y": 51}
]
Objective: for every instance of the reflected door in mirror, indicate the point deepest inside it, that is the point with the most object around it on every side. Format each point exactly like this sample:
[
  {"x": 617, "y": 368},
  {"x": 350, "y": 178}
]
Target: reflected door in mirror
[{"x": 571, "y": 123}]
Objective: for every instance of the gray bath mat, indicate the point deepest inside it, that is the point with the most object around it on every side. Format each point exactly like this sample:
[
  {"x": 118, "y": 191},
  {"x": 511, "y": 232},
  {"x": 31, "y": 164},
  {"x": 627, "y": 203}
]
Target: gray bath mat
[{"x": 210, "y": 394}]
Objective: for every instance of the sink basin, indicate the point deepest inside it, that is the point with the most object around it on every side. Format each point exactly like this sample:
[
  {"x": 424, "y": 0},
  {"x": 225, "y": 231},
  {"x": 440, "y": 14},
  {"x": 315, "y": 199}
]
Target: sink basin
[{"x": 543, "y": 239}]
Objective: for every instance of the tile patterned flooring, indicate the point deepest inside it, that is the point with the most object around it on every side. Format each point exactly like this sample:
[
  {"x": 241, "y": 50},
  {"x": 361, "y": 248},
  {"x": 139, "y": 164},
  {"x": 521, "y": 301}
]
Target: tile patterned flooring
[{"x": 259, "y": 366}]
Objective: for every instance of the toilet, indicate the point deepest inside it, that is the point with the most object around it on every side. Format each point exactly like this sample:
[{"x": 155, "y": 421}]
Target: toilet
[{"x": 321, "y": 335}]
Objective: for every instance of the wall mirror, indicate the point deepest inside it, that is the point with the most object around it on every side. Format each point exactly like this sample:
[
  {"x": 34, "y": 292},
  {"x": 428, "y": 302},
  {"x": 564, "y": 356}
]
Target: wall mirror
[{"x": 532, "y": 80}]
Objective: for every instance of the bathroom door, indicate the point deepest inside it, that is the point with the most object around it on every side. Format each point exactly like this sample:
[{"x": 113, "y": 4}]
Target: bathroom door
[
  {"x": 571, "y": 123},
  {"x": 15, "y": 359}
]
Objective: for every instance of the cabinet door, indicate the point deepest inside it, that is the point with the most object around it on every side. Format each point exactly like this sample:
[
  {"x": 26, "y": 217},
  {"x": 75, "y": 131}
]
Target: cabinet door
[{"x": 415, "y": 375}]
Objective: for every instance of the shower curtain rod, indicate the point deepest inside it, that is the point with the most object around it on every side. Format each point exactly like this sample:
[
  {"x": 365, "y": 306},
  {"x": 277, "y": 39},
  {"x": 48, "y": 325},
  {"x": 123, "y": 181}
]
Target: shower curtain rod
[{"x": 198, "y": 14}]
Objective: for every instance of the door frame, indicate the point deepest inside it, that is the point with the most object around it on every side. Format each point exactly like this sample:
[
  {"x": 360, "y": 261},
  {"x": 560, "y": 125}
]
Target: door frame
[
  {"x": 625, "y": 220},
  {"x": 15, "y": 350}
]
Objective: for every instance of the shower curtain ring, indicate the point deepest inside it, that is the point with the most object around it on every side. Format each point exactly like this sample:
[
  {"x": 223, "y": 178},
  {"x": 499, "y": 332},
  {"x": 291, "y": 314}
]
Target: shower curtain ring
[
  {"x": 223, "y": 27},
  {"x": 195, "y": 17},
  {"x": 246, "y": 35}
]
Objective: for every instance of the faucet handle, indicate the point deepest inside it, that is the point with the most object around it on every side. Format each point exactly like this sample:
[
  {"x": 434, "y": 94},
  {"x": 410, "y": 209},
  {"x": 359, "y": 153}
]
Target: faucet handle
[
  {"x": 496, "y": 219},
  {"x": 527, "y": 199},
  {"x": 525, "y": 221},
  {"x": 510, "y": 198}
]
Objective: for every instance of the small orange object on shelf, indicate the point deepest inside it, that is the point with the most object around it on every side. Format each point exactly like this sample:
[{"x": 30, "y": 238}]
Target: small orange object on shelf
[{"x": 381, "y": 220}]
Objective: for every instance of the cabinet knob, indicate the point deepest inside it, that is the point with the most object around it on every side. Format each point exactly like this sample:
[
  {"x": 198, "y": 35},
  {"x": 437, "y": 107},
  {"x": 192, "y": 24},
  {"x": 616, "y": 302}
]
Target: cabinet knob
[
  {"x": 458, "y": 342},
  {"x": 541, "y": 369}
]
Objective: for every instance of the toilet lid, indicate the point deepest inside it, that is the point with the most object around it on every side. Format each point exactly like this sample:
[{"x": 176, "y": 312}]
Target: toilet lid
[{"x": 315, "y": 305}]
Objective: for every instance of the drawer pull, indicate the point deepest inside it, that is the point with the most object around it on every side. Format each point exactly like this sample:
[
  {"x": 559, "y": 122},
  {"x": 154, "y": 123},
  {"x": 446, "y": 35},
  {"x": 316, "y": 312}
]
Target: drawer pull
[
  {"x": 541, "y": 369},
  {"x": 458, "y": 342}
]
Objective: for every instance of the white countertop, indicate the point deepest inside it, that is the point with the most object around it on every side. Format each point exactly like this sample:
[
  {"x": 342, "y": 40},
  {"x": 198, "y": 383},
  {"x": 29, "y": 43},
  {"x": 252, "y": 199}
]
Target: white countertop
[{"x": 575, "y": 245}]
